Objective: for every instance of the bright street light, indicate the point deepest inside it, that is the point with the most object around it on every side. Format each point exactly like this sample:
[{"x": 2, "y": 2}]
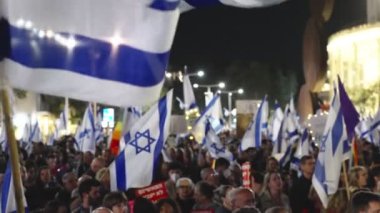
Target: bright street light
[
  {"x": 221, "y": 85},
  {"x": 195, "y": 85},
  {"x": 200, "y": 73},
  {"x": 240, "y": 91}
]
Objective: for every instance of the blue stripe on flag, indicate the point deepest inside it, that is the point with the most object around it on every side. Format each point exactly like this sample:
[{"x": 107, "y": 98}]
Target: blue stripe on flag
[
  {"x": 202, "y": 3},
  {"x": 162, "y": 106},
  {"x": 210, "y": 104},
  {"x": 292, "y": 134},
  {"x": 337, "y": 131},
  {"x": 121, "y": 177},
  {"x": 165, "y": 5},
  {"x": 192, "y": 106},
  {"x": 6, "y": 187},
  {"x": 91, "y": 57},
  {"x": 258, "y": 127}
]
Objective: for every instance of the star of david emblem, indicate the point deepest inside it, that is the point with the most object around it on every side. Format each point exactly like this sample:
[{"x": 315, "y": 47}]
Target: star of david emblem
[
  {"x": 85, "y": 133},
  {"x": 218, "y": 150},
  {"x": 138, "y": 137}
]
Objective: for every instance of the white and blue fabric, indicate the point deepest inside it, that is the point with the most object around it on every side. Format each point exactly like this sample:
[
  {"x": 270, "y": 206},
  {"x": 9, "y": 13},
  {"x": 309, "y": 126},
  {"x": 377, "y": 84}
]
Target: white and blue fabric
[
  {"x": 3, "y": 138},
  {"x": 213, "y": 114},
  {"x": 265, "y": 117},
  {"x": 214, "y": 146},
  {"x": 35, "y": 133},
  {"x": 290, "y": 125},
  {"x": 253, "y": 135},
  {"x": 96, "y": 50},
  {"x": 135, "y": 165},
  {"x": 191, "y": 4},
  {"x": 85, "y": 136},
  {"x": 188, "y": 94},
  {"x": 332, "y": 150},
  {"x": 63, "y": 121},
  {"x": 7, "y": 196},
  {"x": 99, "y": 135},
  {"x": 276, "y": 130},
  {"x": 130, "y": 117}
]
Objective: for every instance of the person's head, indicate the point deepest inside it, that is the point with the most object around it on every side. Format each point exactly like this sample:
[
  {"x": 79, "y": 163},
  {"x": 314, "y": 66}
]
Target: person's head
[
  {"x": 210, "y": 176},
  {"x": 174, "y": 171},
  {"x": 185, "y": 188},
  {"x": 107, "y": 155},
  {"x": 221, "y": 196},
  {"x": 365, "y": 202},
  {"x": 221, "y": 164},
  {"x": 257, "y": 180},
  {"x": 278, "y": 209},
  {"x": 247, "y": 210},
  {"x": 102, "y": 210},
  {"x": 116, "y": 201},
  {"x": 241, "y": 197},
  {"x": 143, "y": 205},
  {"x": 103, "y": 176},
  {"x": 69, "y": 181},
  {"x": 358, "y": 177},
  {"x": 51, "y": 161},
  {"x": 167, "y": 206},
  {"x": 97, "y": 164},
  {"x": 272, "y": 182},
  {"x": 89, "y": 190},
  {"x": 55, "y": 206},
  {"x": 203, "y": 192},
  {"x": 88, "y": 157},
  {"x": 307, "y": 165},
  {"x": 44, "y": 175},
  {"x": 272, "y": 165}
]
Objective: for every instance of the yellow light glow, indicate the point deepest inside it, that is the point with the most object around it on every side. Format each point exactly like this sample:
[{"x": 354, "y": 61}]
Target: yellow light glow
[
  {"x": 189, "y": 128},
  {"x": 191, "y": 137}
]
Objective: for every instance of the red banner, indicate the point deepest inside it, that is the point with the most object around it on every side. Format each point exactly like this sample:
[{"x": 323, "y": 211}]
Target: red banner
[
  {"x": 153, "y": 192},
  {"x": 246, "y": 173}
]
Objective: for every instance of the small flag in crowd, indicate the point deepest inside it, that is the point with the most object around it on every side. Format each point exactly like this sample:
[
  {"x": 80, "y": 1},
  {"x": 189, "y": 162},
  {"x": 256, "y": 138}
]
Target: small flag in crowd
[
  {"x": 214, "y": 146},
  {"x": 188, "y": 94},
  {"x": 115, "y": 143},
  {"x": 328, "y": 165},
  {"x": 253, "y": 134},
  {"x": 135, "y": 165},
  {"x": 8, "y": 198},
  {"x": 98, "y": 57},
  {"x": 213, "y": 114},
  {"x": 3, "y": 138},
  {"x": 85, "y": 136},
  {"x": 130, "y": 117}
]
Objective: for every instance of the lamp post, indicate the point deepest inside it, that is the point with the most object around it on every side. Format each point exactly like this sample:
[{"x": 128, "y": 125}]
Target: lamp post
[
  {"x": 230, "y": 93},
  {"x": 179, "y": 74},
  {"x": 208, "y": 93}
]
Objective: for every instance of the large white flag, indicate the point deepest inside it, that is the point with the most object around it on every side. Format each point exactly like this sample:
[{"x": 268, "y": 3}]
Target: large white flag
[
  {"x": 113, "y": 51},
  {"x": 190, "y": 4},
  {"x": 8, "y": 196},
  {"x": 213, "y": 114},
  {"x": 130, "y": 117},
  {"x": 86, "y": 133},
  {"x": 188, "y": 94},
  {"x": 328, "y": 166},
  {"x": 135, "y": 165},
  {"x": 253, "y": 135}
]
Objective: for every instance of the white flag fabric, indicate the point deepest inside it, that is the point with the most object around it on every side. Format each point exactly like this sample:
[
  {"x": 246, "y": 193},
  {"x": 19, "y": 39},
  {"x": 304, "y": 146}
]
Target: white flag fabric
[
  {"x": 85, "y": 136},
  {"x": 191, "y": 4},
  {"x": 253, "y": 135},
  {"x": 265, "y": 117},
  {"x": 214, "y": 146},
  {"x": 188, "y": 94},
  {"x": 328, "y": 166},
  {"x": 99, "y": 135},
  {"x": 8, "y": 196},
  {"x": 3, "y": 138},
  {"x": 290, "y": 125},
  {"x": 63, "y": 122},
  {"x": 303, "y": 146},
  {"x": 213, "y": 114},
  {"x": 130, "y": 117},
  {"x": 135, "y": 165},
  {"x": 35, "y": 133},
  {"x": 97, "y": 50}
]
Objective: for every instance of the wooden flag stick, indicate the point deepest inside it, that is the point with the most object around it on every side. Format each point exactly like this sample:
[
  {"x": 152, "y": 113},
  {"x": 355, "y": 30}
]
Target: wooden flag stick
[
  {"x": 13, "y": 149},
  {"x": 346, "y": 184}
]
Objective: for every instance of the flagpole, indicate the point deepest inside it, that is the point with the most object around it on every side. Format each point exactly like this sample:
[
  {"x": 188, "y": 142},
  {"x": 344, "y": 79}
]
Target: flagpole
[
  {"x": 346, "y": 180},
  {"x": 13, "y": 149}
]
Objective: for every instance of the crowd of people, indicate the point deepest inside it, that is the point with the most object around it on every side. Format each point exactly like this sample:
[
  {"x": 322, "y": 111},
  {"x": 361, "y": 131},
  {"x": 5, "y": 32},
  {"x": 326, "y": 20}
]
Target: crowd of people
[{"x": 60, "y": 179}]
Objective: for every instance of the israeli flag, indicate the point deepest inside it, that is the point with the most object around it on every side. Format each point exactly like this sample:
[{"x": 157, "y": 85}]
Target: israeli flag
[
  {"x": 25, "y": 135},
  {"x": 3, "y": 138},
  {"x": 188, "y": 94},
  {"x": 328, "y": 166},
  {"x": 290, "y": 125},
  {"x": 253, "y": 135},
  {"x": 35, "y": 133},
  {"x": 8, "y": 196},
  {"x": 214, "y": 146},
  {"x": 190, "y": 4},
  {"x": 213, "y": 114},
  {"x": 265, "y": 117},
  {"x": 375, "y": 128},
  {"x": 135, "y": 165},
  {"x": 85, "y": 136},
  {"x": 277, "y": 120},
  {"x": 99, "y": 135},
  {"x": 95, "y": 50},
  {"x": 130, "y": 117},
  {"x": 63, "y": 122},
  {"x": 363, "y": 130},
  {"x": 303, "y": 147}
]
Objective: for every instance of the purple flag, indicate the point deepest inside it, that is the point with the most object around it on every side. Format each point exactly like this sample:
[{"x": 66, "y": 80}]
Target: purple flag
[{"x": 350, "y": 115}]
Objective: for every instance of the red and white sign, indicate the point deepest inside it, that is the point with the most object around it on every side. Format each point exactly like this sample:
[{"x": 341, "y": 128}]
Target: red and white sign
[
  {"x": 153, "y": 192},
  {"x": 246, "y": 173}
]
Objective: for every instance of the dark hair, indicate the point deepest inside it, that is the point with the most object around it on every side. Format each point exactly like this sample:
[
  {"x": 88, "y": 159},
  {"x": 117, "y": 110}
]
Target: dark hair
[
  {"x": 169, "y": 201},
  {"x": 53, "y": 206},
  {"x": 143, "y": 205},
  {"x": 86, "y": 186},
  {"x": 114, "y": 198},
  {"x": 205, "y": 189},
  {"x": 174, "y": 166},
  {"x": 306, "y": 158},
  {"x": 247, "y": 210},
  {"x": 258, "y": 177},
  {"x": 360, "y": 201},
  {"x": 222, "y": 162}
]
